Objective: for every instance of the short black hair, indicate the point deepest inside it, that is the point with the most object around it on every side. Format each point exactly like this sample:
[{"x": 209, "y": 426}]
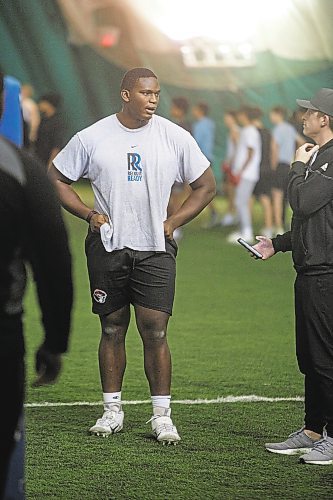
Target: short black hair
[
  {"x": 255, "y": 113},
  {"x": 52, "y": 98},
  {"x": 231, "y": 112},
  {"x": 133, "y": 75},
  {"x": 246, "y": 110},
  {"x": 181, "y": 103},
  {"x": 203, "y": 108},
  {"x": 279, "y": 110}
]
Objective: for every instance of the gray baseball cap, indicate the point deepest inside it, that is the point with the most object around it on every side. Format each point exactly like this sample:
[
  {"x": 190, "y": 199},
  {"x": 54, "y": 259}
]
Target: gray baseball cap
[{"x": 321, "y": 101}]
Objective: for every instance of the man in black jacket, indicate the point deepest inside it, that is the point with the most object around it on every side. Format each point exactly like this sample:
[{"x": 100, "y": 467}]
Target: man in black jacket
[
  {"x": 32, "y": 229},
  {"x": 310, "y": 192}
]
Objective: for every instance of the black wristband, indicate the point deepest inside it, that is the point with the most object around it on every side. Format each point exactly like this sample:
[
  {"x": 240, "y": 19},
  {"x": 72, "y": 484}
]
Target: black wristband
[{"x": 89, "y": 216}]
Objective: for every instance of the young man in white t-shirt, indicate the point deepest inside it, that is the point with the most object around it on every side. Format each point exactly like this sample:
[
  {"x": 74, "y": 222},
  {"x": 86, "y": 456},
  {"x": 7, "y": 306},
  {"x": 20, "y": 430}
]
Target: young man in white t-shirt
[
  {"x": 246, "y": 170},
  {"x": 132, "y": 160}
]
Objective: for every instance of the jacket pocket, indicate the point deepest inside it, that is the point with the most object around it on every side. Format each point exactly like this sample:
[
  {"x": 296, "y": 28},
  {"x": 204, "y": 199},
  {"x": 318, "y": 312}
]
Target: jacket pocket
[{"x": 305, "y": 250}]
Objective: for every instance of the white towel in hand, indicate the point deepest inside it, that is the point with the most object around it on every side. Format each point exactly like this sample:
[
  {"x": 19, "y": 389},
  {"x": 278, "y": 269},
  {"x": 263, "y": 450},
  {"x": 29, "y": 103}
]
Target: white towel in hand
[{"x": 106, "y": 231}]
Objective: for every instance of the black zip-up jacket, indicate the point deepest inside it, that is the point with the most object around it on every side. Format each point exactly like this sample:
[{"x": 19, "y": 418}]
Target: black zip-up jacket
[
  {"x": 32, "y": 230},
  {"x": 310, "y": 193}
]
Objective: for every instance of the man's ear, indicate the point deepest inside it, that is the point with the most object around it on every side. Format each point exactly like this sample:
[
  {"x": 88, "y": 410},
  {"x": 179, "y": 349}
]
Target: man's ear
[
  {"x": 325, "y": 120},
  {"x": 125, "y": 95}
]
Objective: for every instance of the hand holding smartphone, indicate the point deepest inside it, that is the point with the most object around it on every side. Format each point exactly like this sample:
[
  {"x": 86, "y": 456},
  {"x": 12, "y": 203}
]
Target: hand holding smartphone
[{"x": 249, "y": 248}]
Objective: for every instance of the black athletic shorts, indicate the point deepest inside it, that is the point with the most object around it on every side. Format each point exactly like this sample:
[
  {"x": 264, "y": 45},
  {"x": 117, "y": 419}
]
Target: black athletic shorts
[
  {"x": 264, "y": 185},
  {"x": 129, "y": 276},
  {"x": 280, "y": 178}
]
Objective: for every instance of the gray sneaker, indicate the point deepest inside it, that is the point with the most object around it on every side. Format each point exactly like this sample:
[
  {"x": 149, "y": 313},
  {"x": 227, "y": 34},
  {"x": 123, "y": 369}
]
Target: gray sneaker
[
  {"x": 297, "y": 442},
  {"x": 321, "y": 454}
]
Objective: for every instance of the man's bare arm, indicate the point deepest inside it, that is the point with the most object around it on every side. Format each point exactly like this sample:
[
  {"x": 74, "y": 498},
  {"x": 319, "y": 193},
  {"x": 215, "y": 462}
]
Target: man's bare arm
[
  {"x": 71, "y": 201},
  {"x": 203, "y": 191}
]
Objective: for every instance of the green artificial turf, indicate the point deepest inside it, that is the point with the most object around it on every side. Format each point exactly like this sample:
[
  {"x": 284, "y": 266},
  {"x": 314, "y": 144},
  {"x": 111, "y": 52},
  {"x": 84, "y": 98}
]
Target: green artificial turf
[{"x": 231, "y": 334}]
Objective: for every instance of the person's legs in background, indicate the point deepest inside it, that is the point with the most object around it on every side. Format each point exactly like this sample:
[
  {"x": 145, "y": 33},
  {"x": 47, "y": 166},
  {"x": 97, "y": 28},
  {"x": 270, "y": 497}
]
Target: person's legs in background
[
  {"x": 266, "y": 203},
  {"x": 243, "y": 195},
  {"x": 279, "y": 196}
]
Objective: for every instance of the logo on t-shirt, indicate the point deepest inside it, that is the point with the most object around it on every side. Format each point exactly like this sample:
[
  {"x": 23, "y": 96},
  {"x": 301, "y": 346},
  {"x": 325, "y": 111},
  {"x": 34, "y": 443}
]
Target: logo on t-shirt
[{"x": 134, "y": 168}]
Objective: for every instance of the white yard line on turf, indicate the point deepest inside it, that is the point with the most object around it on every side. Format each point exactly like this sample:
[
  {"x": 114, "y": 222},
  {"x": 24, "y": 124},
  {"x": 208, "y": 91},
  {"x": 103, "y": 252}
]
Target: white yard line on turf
[{"x": 224, "y": 399}]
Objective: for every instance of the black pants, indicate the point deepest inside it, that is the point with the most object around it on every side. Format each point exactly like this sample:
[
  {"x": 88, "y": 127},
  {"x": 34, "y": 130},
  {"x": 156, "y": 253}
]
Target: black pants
[
  {"x": 12, "y": 394},
  {"x": 314, "y": 348}
]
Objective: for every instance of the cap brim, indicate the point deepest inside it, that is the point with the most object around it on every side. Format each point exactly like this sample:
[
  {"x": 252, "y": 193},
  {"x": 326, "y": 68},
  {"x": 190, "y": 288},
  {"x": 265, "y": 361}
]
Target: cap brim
[{"x": 305, "y": 104}]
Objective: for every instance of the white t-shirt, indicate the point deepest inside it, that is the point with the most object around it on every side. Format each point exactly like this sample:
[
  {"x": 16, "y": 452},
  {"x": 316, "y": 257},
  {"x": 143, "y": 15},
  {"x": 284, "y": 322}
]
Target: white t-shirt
[
  {"x": 131, "y": 172},
  {"x": 249, "y": 137}
]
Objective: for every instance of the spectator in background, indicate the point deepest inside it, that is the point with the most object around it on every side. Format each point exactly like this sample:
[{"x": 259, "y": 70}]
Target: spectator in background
[
  {"x": 50, "y": 136},
  {"x": 203, "y": 130},
  {"x": 178, "y": 112},
  {"x": 180, "y": 191},
  {"x": 228, "y": 166},
  {"x": 31, "y": 115},
  {"x": 34, "y": 230},
  {"x": 296, "y": 121},
  {"x": 247, "y": 167},
  {"x": 263, "y": 188},
  {"x": 285, "y": 140}
]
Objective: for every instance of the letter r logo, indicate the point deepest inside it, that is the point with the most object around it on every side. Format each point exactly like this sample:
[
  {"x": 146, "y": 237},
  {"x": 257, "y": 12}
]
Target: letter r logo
[{"x": 133, "y": 162}]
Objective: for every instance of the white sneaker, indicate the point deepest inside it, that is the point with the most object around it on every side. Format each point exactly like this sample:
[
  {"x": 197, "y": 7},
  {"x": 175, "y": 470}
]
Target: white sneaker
[
  {"x": 267, "y": 231},
  {"x": 163, "y": 429},
  {"x": 229, "y": 220},
  {"x": 213, "y": 221},
  {"x": 233, "y": 237},
  {"x": 247, "y": 236},
  {"x": 110, "y": 423}
]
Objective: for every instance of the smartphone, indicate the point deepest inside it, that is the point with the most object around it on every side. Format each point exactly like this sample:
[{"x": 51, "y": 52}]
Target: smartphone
[{"x": 250, "y": 248}]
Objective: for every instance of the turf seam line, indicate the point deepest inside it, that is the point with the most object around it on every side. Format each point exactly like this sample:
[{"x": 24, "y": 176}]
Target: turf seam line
[{"x": 252, "y": 398}]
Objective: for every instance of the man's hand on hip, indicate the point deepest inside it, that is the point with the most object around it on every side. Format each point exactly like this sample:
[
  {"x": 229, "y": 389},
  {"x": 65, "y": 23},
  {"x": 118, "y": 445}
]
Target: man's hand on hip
[
  {"x": 96, "y": 221},
  {"x": 169, "y": 228}
]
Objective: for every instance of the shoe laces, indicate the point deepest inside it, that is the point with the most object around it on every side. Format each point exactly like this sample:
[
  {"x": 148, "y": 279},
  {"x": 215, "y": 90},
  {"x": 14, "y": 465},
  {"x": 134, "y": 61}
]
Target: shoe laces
[
  {"x": 108, "y": 415},
  {"x": 297, "y": 433},
  {"x": 323, "y": 444},
  {"x": 154, "y": 417},
  {"x": 168, "y": 426}
]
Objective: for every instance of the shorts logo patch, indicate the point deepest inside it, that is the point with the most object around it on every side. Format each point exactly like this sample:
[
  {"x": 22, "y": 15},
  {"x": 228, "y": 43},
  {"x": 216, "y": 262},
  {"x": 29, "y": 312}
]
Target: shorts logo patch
[{"x": 100, "y": 296}]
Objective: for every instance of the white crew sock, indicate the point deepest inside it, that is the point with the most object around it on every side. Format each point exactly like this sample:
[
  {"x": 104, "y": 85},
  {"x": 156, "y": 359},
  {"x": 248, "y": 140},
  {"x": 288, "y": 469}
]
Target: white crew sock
[
  {"x": 112, "y": 399},
  {"x": 160, "y": 403}
]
